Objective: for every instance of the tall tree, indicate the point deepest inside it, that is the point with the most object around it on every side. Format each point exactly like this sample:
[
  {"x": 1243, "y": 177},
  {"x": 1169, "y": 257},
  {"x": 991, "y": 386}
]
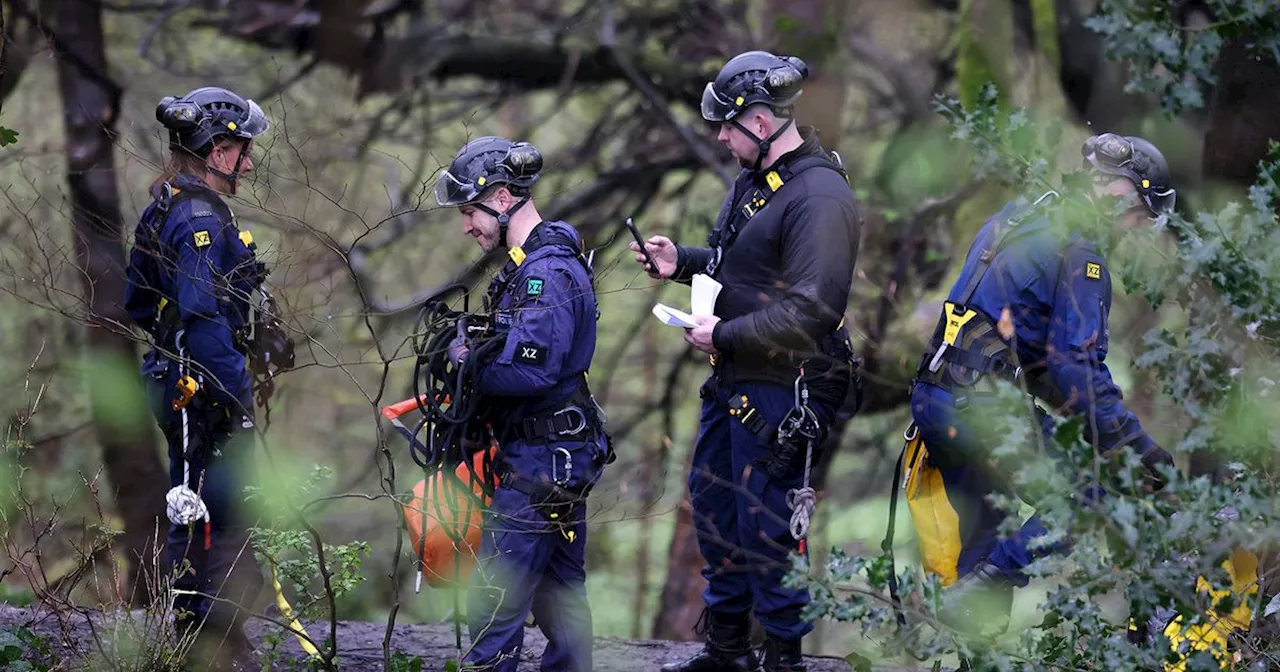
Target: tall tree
[{"x": 91, "y": 105}]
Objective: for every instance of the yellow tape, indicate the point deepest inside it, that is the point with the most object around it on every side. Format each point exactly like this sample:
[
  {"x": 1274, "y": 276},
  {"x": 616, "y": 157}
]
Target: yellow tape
[{"x": 283, "y": 605}]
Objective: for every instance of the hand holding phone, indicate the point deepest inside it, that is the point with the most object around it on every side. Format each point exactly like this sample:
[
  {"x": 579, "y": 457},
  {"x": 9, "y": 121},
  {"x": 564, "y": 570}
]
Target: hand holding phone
[{"x": 649, "y": 264}]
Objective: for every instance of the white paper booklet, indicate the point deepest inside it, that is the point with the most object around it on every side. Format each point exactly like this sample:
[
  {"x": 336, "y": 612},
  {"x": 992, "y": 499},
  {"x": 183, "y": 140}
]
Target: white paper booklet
[
  {"x": 674, "y": 317},
  {"x": 703, "y": 293}
]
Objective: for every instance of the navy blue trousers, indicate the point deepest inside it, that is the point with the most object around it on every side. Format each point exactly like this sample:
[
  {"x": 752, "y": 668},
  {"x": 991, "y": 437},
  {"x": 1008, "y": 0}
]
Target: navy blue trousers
[
  {"x": 529, "y": 562},
  {"x": 741, "y": 514},
  {"x": 226, "y": 570}
]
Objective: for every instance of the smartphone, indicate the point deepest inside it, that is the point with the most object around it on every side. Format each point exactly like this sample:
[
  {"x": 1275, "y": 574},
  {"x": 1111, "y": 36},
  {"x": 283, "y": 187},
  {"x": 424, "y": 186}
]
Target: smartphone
[{"x": 649, "y": 262}]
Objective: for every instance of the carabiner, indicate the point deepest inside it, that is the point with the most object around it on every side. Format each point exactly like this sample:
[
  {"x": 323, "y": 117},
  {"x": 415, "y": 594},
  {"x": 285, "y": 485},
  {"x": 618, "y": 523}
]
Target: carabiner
[{"x": 568, "y": 466}]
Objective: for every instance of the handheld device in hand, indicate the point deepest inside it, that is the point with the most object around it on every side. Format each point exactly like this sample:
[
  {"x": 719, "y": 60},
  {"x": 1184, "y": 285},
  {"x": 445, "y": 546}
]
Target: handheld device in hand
[{"x": 650, "y": 264}]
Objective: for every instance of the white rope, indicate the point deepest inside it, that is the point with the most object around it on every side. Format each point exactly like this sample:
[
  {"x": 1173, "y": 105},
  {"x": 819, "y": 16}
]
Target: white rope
[
  {"x": 803, "y": 500},
  {"x": 182, "y": 505}
]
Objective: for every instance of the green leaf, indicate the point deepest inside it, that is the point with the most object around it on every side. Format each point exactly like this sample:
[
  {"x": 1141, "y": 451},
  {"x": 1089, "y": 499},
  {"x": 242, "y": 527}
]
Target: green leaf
[
  {"x": 10, "y": 652},
  {"x": 1051, "y": 620},
  {"x": 8, "y": 136},
  {"x": 859, "y": 662}
]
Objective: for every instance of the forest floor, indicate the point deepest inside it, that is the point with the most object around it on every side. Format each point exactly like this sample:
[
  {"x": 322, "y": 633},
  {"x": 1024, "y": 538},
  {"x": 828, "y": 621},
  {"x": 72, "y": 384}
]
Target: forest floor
[{"x": 77, "y": 640}]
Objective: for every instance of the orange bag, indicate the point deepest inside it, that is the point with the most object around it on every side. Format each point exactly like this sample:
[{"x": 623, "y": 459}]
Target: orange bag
[
  {"x": 443, "y": 520},
  {"x": 445, "y": 531}
]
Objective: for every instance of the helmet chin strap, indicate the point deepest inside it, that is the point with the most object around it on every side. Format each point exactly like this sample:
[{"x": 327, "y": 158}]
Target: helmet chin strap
[
  {"x": 766, "y": 144},
  {"x": 232, "y": 177},
  {"x": 504, "y": 218}
]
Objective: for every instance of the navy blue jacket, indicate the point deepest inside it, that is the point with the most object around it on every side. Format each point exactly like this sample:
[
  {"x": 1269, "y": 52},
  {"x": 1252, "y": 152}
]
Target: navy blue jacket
[
  {"x": 197, "y": 259},
  {"x": 1058, "y": 291},
  {"x": 546, "y": 311}
]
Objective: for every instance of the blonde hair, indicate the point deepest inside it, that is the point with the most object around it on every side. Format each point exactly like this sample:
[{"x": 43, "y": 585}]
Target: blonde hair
[{"x": 183, "y": 161}]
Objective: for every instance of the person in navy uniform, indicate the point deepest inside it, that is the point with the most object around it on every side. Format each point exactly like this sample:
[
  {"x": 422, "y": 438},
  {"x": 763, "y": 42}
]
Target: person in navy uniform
[
  {"x": 784, "y": 249},
  {"x": 190, "y": 281},
  {"x": 1053, "y": 289},
  {"x": 550, "y": 431}
]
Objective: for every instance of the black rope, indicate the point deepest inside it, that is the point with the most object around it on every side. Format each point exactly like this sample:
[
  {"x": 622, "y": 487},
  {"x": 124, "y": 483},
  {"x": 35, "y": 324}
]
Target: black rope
[{"x": 452, "y": 409}]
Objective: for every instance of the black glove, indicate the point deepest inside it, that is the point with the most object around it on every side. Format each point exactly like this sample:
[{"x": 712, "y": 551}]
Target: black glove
[
  {"x": 457, "y": 349},
  {"x": 208, "y": 425},
  {"x": 1152, "y": 460}
]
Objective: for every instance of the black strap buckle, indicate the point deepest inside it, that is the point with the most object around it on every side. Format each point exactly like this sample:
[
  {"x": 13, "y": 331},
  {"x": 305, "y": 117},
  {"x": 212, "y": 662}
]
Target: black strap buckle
[
  {"x": 571, "y": 420},
  {"x": 740, "y": 408}
]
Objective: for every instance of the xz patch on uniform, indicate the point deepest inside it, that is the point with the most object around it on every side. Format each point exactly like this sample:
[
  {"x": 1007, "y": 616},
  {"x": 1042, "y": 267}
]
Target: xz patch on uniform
[
  {"x": 531, "y": 353},
  {"x": 534, "y": 287},
  {"x": 1092, "y": 270},
  {"x": 202, "y": 238}
]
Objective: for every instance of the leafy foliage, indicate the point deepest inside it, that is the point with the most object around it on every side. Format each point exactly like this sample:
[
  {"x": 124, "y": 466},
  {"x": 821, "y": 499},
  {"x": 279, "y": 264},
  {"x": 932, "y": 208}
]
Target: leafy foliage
[
  {"x": 402, "y": 662},
  {"x": 318, "y": 572},
  {"x": 23, "y": 651},
  {"x": 1162, "y": 551},
  {"x": 1175, "y": 61}
]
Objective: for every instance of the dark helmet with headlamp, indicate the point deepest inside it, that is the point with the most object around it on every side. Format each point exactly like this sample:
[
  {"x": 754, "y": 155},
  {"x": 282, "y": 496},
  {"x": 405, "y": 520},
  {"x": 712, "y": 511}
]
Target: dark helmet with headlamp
[
  {"x": 1136, "y": 159},
  {"x": 750, "y": 78},
  {"x": 486, "y": 163},
  {"x": 205, "y": 114}
]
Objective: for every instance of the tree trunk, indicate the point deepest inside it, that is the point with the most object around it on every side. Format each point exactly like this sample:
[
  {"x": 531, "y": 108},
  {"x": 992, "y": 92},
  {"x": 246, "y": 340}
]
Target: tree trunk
[
  {"x": 91, "y": 103},
  {"x": 650, "y": 456},
  {"x": 812, "y": 30},
  {"x": 1242, "y": 116},
  {"x": 681, "y": 602}
]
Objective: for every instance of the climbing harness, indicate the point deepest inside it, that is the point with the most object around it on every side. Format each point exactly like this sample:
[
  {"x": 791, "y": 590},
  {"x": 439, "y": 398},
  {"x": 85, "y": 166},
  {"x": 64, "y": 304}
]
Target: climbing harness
[
  {"x": 802, "y": 422},
  {"x": 263, "y": 340},
  {"x": 729, "y": 225},
  {"x": 799, "y": 427},
  {"x": 269, "y": 347},
  {"x": 963, "y": 350}
]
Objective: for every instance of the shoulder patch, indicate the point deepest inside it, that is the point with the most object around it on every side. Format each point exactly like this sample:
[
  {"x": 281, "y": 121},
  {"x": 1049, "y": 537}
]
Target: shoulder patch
[
  {"x": 201, "y": 207},
  {"x": 202, "y": 238},
  {"x": 531, "y": 353},
  {"x": 534, "y": 286},
  {"x": 1092, "y": 270}
]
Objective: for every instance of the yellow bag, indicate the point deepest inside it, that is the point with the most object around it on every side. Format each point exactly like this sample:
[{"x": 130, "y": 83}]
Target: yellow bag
[
  {"x": 936, "y": 523},
  {"x": 1211, "y": 635},
  {"x": 937, "y": 528}
]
